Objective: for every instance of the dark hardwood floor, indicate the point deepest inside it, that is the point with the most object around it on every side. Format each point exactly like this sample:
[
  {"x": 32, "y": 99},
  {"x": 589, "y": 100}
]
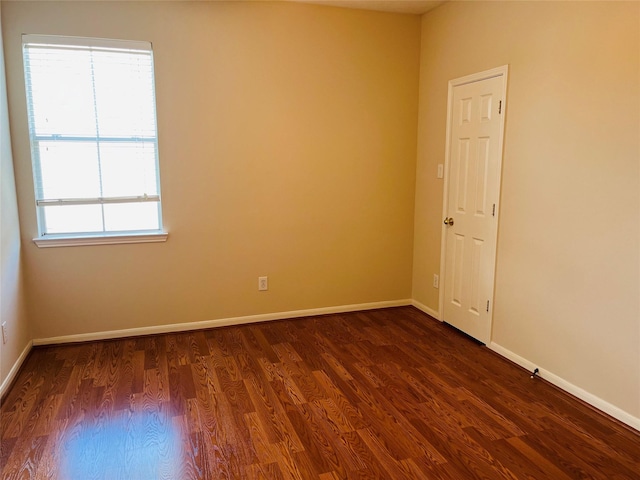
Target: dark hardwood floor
[{"x": 385, "y": 394}]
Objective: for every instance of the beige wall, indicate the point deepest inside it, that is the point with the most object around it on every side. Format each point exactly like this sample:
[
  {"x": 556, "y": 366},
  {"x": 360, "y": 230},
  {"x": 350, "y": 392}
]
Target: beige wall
[
  {"x": 12, "y": 305},
  {"x": 567, "y": 288},
  {"x": 287, "y": 148}
]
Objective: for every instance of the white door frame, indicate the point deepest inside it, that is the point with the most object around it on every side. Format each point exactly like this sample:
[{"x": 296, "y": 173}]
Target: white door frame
[{"x": 475, "y": 77}]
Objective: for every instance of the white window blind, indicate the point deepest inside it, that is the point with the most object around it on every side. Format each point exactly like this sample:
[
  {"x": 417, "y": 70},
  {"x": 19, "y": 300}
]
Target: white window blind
[{"x": 92, "y": 124}]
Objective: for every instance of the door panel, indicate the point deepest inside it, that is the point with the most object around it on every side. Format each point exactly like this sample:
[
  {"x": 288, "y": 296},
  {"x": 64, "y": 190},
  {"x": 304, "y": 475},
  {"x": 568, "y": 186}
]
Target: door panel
[
  {"x": 457, "y": 273},
  {"x": 473, "y": 189}
]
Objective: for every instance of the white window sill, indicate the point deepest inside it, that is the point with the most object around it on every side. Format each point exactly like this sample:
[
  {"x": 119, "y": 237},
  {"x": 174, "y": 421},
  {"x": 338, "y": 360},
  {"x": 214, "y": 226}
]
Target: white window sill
[{"x": 72, "y": 241}]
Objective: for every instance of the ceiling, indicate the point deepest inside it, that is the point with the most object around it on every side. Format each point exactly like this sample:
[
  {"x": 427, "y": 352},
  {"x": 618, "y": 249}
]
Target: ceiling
[
  {"x": 398, "y": 6},
  {"x": 416, "y": 7}
]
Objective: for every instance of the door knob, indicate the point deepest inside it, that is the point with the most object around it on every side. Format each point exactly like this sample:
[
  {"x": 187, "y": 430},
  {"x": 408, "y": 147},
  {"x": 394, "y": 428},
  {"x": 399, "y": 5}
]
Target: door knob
[{"x": 448, "y": 221}]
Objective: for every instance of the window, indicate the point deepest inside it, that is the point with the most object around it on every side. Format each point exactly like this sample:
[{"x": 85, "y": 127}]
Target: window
[{"x": 94, "y": 145}]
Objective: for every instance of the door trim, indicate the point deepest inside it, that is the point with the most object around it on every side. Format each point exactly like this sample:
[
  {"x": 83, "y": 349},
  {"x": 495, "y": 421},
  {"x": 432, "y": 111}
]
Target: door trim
[{"x": 475, "y": 77}]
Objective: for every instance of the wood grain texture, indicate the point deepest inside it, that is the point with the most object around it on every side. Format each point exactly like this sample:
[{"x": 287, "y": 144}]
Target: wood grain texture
[{"x": 384, "y": 394}]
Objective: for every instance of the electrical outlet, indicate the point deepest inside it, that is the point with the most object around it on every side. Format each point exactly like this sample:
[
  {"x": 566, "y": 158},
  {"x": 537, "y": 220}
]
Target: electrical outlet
[
  {"x": 436, "y": 280},
  {"x": 4, "y": 332},
  {"x": 263, "y": 283},
  {"x": 440, "y": 170}
]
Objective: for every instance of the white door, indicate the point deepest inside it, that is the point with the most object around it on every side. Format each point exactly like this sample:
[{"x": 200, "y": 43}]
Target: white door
[{"x": 472, "y": 191}]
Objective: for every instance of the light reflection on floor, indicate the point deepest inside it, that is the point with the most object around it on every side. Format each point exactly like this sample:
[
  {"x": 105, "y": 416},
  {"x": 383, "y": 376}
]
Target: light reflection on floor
[{"x": 141, "y": 446}]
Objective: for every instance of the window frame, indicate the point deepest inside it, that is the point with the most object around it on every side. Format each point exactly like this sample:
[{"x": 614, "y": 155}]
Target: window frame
[{"x": 49, "y": 239}]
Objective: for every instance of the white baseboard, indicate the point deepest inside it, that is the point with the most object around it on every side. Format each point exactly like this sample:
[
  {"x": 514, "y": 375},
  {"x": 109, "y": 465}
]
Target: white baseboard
[
  {"x": 16, "y": 367},
  {"x": 221, "y": 322},
  {"x": 569, "y": 387},
  {"x": 429, "y": 311}
]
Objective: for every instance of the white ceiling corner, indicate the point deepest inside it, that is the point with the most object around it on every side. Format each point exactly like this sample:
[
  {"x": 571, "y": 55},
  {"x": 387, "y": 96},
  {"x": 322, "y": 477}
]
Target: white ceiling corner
[{"x": 416, "y": 7}]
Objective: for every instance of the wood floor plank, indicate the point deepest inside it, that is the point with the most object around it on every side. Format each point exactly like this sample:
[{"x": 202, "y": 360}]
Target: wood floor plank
[
  {"x": 381, "y": 394},
  {"x": 352, "y": 416},
  {"x": 269, "y": 471},
  {"x": 322, "y": 451},
  {"x": 348, "y": 452},
  {"x": 511, "y": 458}
]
